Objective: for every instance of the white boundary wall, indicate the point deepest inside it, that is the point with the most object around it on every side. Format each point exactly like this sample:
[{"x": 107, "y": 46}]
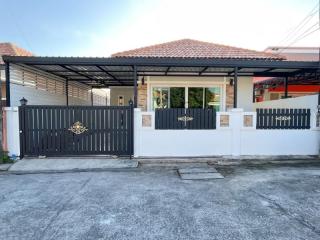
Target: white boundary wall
[
  {"x": 13, "y": 138},
  {"x": 310, "y": 101},
  {"x": 236, "y": 139}
]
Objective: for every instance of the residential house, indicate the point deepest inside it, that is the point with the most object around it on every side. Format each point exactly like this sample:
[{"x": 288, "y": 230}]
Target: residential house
[
  {"x": 189, "y": 98},
  {"x": 178, "y": 87},
  {"x": 11, "y": 50},
  {"x": 274, "y": 88}
]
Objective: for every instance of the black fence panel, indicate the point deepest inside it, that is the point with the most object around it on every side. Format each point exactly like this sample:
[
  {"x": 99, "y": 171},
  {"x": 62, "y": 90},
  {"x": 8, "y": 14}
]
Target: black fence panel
[
  {"x": 76, "y": 130},
  {"x": 283, "y": 118},
  {"x": 181, "y": 118}
]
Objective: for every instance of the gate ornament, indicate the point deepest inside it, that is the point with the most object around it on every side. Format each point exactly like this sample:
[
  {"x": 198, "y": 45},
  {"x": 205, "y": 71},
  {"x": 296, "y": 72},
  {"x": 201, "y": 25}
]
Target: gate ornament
[
  {"x": 78, "y": 128},
  {"x": 185, "y": 118}
]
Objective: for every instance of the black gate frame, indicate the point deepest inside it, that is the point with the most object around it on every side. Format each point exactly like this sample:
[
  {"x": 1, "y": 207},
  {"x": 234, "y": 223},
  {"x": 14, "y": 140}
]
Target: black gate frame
[
  {"x": 283, "y": 118},
  {"x": 185, "y": 118},
  {"x": 120, "y": 115}
]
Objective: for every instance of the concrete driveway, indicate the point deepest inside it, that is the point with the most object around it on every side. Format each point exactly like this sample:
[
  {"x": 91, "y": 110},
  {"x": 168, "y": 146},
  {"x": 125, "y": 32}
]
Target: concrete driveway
[{"x": 249, "y": 203}]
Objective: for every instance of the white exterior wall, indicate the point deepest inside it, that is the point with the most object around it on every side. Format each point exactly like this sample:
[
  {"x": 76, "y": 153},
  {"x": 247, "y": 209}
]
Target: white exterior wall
[
  {"x": 34, "y": 96},
  {"x": 245, "y": 93},
  {"x": 41, "y": 88},
  {"x": 310, "y": 101},
  {"x": 234, "y": 140},
  {"x": 126, "y": 92}
]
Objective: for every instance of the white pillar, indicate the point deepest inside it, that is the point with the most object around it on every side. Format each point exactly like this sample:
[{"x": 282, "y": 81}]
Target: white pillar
[
  {"x": 137, "y": 129},
  {"x": 236, "y": 125},
  {"x": 13, "y": 135}
]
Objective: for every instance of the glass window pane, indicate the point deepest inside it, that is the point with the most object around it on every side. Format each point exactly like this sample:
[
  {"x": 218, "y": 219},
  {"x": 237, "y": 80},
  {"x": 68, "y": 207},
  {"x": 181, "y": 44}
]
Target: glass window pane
[
  {"x": 160, "y": 98},
  {"x": 195, "y": 97},
  {"x": 212, "y": 98},
  {"x": 177, "y": 97}
]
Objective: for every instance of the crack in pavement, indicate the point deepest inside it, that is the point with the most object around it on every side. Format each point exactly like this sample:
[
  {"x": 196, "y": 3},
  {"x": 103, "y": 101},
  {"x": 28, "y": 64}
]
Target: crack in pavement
[
  {"x": 298, "y": 219},
  {"x": 61, "y": 209}
]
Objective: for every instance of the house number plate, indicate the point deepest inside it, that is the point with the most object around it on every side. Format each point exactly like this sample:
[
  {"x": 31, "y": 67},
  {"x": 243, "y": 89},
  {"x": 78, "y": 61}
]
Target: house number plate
[
  {"x": 283, "y": 118},
  {"x": 185, "y": 119}
]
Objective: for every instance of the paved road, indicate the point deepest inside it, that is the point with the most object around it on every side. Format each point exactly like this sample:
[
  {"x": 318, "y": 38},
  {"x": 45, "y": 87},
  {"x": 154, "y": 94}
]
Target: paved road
[{"x": 250, "y": 203}]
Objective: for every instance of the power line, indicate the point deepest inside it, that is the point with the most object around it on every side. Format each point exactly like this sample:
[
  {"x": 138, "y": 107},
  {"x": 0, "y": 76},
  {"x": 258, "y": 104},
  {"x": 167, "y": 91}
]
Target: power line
[
  {"x": 302, "y": 23},
  {"x": 303, "y": 35}
]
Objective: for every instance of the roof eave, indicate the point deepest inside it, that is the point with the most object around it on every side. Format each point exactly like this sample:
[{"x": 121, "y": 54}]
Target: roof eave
[{"x": 151, "y": 61}]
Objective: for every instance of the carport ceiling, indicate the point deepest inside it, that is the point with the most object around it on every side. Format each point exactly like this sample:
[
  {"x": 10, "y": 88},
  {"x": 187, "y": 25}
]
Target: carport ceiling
[{"x": 105, "y": 72}]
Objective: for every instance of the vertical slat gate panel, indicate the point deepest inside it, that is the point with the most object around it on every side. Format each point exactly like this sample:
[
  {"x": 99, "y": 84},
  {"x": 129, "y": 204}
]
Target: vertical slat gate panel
[
  {"x": 46, "y": 130},
  {"x": 303, "y": 118},
  {"x": 283, "y": 118},
  {"x": 181, "y": 118},
  {"x": 308, "y": 118}
]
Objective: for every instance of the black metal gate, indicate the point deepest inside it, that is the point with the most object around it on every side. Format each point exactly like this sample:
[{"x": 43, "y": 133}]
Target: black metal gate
[
  {"x": 283, "y": 118},
  {"x": 185, "y": 118},
  {"x": 76, "y": 130}
]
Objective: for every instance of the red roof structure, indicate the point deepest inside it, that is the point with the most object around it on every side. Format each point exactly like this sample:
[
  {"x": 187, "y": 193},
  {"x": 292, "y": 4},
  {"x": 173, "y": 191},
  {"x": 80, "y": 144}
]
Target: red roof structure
[
  {"x": 188, "y": 48},
  {"x": 12, "y": 50}
]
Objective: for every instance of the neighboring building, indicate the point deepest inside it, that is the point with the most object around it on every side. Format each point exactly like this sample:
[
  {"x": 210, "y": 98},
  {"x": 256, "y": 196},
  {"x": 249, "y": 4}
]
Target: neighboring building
[
  {"x": 273, "y": 88},
  {"x": 11, "y": 50}
]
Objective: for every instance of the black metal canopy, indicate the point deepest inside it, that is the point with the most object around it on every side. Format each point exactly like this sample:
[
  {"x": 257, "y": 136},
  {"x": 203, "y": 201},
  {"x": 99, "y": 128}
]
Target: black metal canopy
[{"x": 120, "y": 71}]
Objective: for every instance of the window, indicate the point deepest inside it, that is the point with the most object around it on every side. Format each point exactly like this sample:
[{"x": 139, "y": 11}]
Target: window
[
  {"x": 195, "y": 98},
  {"x": 177, "y": 97},
  {"x": 212, "y": 98},
  {"x": 189, "y": 97},
  {"x": 160, "y": 97}
]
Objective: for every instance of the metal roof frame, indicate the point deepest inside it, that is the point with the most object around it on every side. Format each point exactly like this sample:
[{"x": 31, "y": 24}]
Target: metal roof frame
[{"x": 119, "y": 71}]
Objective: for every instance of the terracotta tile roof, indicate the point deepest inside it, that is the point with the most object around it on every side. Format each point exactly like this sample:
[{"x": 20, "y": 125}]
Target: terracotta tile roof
[
  {"x": 12, "y": 50},
  {"x": 188, "y": 48}
]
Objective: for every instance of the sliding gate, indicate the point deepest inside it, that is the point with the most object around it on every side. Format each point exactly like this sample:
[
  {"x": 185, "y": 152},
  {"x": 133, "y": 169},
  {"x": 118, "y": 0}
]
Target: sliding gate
[{"x": 76, "y": 130}]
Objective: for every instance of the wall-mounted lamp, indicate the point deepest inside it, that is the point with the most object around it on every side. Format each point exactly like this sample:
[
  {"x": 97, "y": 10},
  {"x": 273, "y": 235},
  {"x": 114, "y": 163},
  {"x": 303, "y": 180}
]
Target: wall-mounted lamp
[
  {"x": 231, "y": 81},
  {"x": 23, "y": 101}
]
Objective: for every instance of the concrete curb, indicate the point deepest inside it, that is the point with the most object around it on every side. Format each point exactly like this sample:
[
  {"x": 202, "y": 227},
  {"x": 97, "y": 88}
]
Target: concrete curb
[
  {"x": 5, "y": 166},
  {"x": 71, "y": 171},
  {"x": 226, "y": 161}
]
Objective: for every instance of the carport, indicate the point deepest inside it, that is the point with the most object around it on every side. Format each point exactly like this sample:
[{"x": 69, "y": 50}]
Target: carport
[
  {"x": 83, "y": 130},
  {"x": 124, "y": 71}
]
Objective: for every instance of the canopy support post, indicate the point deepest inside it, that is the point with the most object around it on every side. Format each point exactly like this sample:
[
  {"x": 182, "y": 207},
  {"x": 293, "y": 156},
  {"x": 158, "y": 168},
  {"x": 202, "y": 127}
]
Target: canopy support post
[
  {"x": 286, "y": 87},
  {"x": 67, "y": 92},
  {"x": 235, "y": 87},
  {"x": 135, "y": 83},
  {"x": 8, "y": 104}
]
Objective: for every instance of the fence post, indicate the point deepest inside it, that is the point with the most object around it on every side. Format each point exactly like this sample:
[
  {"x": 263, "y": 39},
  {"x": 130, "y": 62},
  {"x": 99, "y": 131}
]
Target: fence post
[
  {"x": 236, "y": 125},
  {"x": 137, "y": 132}
]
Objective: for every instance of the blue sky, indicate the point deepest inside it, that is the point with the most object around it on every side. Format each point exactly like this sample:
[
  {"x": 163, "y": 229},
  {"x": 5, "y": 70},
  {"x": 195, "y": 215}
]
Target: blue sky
[{"x": 101, "y": 27}]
